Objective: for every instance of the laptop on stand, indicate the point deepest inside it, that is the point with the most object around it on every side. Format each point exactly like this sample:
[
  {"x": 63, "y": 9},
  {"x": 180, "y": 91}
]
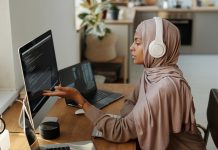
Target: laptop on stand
[{"x": 81, "y": 77}]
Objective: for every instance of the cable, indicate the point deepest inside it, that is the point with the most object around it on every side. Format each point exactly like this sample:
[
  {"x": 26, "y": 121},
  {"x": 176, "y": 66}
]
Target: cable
[{"x": 20, "y": 101}]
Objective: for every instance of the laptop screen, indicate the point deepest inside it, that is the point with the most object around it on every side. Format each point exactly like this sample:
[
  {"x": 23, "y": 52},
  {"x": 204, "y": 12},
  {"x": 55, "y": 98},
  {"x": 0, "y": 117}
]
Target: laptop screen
[{"x": 79, "y": 76}]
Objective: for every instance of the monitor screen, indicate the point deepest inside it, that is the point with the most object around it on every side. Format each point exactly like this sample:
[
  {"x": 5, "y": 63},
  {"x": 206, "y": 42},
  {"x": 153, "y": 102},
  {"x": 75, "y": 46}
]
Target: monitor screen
[{"x": 40, "y": 73}]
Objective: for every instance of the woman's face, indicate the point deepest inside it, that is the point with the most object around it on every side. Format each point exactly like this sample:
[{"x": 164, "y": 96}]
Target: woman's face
[{"x": 136, "y": 50}]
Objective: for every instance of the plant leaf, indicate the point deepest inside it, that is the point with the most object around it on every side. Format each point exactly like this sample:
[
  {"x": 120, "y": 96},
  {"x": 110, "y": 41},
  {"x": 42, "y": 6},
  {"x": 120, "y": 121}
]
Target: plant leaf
[
  {"x": 85, "y": 4},
  {"x": 83, "y": 15},
  {"x": 92, "y": 17}
]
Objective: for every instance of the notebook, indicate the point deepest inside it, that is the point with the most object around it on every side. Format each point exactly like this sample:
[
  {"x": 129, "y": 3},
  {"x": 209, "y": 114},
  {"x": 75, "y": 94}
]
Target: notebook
[
  {"x": 81, "y": 77},
  {"x": 33, "y": 140}
]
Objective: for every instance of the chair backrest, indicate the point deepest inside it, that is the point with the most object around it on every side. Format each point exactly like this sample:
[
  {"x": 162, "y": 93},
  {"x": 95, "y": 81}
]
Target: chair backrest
[{"x": 212, "y": 115}]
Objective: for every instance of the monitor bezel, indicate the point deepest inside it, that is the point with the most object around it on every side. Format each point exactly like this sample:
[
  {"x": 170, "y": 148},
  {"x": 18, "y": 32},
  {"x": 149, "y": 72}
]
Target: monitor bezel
[{"x": 50, "y": 101}]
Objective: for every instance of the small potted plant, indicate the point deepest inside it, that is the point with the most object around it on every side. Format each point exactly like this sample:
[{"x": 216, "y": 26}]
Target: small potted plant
[{"x": 114, "y": 12}]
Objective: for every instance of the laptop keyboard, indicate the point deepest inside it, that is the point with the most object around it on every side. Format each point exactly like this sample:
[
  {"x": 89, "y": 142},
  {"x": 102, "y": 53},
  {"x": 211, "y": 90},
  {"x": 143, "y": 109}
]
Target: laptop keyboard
[
  {"x": 59, "y": 148},
  {"x": 99, "y": 96}
]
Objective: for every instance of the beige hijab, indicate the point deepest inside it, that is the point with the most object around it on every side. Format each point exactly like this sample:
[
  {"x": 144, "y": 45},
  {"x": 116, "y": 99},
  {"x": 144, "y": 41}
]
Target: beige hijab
[{"x": 165, "y": 103}]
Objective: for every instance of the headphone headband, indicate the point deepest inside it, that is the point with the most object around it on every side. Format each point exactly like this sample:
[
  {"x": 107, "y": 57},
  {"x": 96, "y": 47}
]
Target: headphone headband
[{"x": 159, "y": 29}]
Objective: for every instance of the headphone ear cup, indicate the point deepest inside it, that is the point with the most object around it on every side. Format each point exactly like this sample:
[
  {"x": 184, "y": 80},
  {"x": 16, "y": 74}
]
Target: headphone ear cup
[{"x": 157, "y": 49}]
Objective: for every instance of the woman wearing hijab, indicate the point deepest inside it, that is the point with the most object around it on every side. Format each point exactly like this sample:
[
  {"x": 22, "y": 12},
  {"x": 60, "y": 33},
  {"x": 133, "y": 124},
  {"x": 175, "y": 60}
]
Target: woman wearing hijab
[{"x": 160, "y": 111}]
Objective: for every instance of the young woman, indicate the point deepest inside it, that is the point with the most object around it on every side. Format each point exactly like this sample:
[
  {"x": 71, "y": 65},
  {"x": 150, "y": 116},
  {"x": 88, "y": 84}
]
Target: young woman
[{"x": 160, "y": 111}]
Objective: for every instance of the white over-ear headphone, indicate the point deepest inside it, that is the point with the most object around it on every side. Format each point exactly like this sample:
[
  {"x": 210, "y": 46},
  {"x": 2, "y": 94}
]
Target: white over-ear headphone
[{"x": 157, "y": 47}]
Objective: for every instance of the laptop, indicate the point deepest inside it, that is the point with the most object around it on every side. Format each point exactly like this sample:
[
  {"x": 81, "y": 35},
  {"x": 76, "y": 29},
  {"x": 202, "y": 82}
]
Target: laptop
[
  {"x": 81, "y": 77},
  {"x": 34, "y": 143}
]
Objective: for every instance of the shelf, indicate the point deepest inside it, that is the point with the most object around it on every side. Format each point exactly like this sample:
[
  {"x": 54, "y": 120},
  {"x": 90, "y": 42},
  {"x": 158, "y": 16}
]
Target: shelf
[{"x": 119, "y": 2}]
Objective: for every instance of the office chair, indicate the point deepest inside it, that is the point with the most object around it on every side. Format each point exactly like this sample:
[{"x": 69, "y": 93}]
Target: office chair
[{"x": 212, "y": 118}]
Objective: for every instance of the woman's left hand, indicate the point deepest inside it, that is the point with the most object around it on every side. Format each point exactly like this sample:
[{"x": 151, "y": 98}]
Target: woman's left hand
[
  {"x": 69, "y": 93},
  {"x": 66, "y": 92}
]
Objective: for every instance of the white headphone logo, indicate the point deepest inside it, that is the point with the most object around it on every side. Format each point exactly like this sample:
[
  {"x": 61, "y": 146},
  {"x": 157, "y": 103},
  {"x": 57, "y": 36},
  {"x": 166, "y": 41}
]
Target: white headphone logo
[{"x": 157, "y": 47}]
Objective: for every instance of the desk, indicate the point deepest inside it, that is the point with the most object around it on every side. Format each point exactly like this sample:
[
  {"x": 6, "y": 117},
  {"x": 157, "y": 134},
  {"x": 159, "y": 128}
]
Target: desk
[{"x": 72, "y": 127}]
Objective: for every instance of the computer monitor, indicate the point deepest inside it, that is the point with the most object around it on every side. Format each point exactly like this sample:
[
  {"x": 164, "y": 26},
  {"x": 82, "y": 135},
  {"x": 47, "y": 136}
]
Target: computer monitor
[{"x": 39, "y": 67}]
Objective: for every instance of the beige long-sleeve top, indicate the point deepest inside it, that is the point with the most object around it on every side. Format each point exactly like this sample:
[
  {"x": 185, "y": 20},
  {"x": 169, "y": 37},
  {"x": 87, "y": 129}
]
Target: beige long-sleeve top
[
  {"x": 123, "y": 129},
  {"x": 116, "y": 130}
]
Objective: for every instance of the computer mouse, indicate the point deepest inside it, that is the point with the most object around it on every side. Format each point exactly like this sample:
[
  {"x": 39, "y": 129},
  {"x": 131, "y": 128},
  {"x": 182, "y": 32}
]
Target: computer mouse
[{"x": 79, "y": 112}]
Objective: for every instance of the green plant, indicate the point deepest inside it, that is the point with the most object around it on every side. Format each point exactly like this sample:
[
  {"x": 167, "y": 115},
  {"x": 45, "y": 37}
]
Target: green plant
[{"x": 92, "y": 17}]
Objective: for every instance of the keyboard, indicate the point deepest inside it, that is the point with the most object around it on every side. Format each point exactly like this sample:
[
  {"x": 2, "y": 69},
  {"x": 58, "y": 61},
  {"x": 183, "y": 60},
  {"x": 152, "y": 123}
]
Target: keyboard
[
  {"x": 81, "y": 145},
  {"x": 59, "y": 148},
  {"x": 100, "y": 95},
  {"x": 107, "y": 100}
]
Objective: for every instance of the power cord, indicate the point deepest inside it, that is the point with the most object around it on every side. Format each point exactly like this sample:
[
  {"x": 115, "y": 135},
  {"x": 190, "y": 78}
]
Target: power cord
[{"x": 19, "y": 100}]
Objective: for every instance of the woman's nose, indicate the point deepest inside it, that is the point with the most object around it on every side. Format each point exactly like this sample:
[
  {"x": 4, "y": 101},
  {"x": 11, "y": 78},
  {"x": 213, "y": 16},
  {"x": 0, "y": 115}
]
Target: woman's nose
[{"x": 131, "y": 47}]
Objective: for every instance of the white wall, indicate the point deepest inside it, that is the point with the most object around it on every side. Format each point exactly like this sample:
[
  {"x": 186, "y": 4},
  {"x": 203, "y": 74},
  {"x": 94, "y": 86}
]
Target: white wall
[
  {"x": 6, "y": 54},
  {"x": 201, "y": 73},
  {"x": 24, "y": 20},
  {"x": 28, "y": 19}
]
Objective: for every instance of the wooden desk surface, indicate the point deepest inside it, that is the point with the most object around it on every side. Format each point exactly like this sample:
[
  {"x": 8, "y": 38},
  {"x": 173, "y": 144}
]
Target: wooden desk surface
[{"x": 72, "y": 127}]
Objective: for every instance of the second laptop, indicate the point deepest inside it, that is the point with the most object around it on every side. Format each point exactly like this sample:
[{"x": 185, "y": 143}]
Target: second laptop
[{"x": 81, "y": 77}]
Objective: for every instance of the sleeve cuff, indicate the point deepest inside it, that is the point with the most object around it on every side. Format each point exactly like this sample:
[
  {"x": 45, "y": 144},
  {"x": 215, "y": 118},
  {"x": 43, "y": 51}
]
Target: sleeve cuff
[{"x": 94, "y": 114}]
